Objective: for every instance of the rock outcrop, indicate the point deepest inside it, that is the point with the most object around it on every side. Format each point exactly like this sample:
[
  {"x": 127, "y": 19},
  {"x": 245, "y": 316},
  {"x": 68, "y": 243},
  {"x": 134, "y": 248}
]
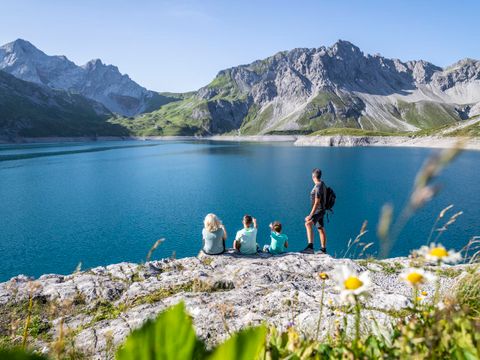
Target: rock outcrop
[{"x": 222, "y": 293}]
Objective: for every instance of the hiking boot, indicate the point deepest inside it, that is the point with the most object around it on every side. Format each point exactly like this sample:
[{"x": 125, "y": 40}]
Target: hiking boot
[
  {"x": 323, "y": 251},
  {"x": 308, "y": 250}
]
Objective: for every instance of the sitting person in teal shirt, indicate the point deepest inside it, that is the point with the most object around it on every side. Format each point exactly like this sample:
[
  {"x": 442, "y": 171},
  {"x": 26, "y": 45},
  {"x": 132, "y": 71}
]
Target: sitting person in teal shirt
[{"x": 278, "y": 241}]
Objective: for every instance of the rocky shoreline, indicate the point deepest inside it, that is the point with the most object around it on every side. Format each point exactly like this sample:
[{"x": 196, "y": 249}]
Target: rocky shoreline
[
  {"x": 297, "y": 140},
  {"x": 388, "y": 141},
  {"x": 98, "y": 308}
]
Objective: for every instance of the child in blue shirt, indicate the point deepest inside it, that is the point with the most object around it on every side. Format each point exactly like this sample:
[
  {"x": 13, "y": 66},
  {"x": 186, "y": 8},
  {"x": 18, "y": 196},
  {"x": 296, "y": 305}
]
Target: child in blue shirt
[{"x": 278, "y": 241}]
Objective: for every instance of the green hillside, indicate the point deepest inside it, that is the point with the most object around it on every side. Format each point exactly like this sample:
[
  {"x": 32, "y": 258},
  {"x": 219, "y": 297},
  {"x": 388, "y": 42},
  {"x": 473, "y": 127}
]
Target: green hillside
[{"x": 30, "y": 110}]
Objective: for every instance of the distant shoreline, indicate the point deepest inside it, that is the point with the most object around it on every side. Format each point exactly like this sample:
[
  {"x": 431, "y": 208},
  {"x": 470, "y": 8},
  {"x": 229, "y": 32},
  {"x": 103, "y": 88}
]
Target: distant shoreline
[{"x": 297, "y": 140}]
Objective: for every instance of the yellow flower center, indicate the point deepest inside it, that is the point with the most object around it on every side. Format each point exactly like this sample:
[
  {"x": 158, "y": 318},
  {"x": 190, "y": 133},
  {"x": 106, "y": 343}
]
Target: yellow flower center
[
  {"x": 352, "y": 283},
  {"x": 415, "y": 278},
  {"x": 323, "y": 276},
  {"x": 439, "y": 252}
]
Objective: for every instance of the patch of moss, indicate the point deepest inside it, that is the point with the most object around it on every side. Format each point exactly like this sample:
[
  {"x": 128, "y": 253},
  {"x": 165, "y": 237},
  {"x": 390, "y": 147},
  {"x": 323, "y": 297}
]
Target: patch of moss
[
  {"x": 397, "y": 314},
  {"x": 389, "y": 268},
  {"x": 79, "y": 299},
  {"x": 207, "y": 261},
  {"x": 188, "y": 287},
  {"x": 104, "y": 310}
]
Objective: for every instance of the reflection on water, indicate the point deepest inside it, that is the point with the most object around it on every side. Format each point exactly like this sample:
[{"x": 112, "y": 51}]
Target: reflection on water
[{"x": 42, "y": 153}]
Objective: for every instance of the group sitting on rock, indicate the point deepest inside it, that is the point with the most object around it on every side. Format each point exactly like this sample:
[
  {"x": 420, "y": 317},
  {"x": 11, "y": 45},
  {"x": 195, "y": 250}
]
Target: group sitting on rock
[
  {"x": 214, "y": 236},
  {"x": 322, "y": 199}
]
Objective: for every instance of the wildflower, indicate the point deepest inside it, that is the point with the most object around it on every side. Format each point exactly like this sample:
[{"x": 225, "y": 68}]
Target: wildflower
[
  {"x": 351, "y": 284},
  {"x": 323, "y": 276},
  {"x": 441, "y": 306},
  {"x": 424, "y": 293},
  {"x": 293, "y": 339},
  {"x": 437, "y": 253},
  {"x": 416, "y": 277}
]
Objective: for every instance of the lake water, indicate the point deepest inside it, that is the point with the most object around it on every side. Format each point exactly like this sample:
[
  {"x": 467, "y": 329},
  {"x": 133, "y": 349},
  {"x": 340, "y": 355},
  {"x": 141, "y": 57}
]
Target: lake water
[{"x": 107, "y": 202}]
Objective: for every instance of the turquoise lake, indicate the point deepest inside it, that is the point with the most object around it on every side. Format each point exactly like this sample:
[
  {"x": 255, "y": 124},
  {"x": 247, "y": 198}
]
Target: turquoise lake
[{"x": 107, "y": 202}]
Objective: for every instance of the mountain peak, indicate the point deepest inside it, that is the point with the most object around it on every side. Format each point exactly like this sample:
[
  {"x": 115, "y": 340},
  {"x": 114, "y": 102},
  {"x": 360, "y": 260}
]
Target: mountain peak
[
  {"x": 21, "y": 45},
  {"x": 94, "y": 80},
  {"x": 345, "y": 47},
  {"x": 92, "y": 64}
]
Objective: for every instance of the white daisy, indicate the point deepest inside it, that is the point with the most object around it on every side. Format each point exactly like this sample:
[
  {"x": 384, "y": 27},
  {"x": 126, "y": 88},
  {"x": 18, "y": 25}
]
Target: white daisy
[
  {"x": 351, "y": 284},
  {"x": 416, "y": 277},
  {"x": 438, "y": 254}
]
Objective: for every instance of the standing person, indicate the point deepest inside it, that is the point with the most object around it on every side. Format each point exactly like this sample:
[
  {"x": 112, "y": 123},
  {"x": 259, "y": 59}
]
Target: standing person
[
  {"x": 214, "y": 235},
  {"x": 246, "y": 239},
  {"x": 315, "y": 217}
]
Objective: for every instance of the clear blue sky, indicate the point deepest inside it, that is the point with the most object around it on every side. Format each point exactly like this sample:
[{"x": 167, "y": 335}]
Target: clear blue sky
[{"x": 169, "y": 45}]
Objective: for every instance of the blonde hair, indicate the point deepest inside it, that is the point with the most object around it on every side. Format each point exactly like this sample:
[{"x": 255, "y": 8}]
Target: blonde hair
[{"x": 212, "y": 223}]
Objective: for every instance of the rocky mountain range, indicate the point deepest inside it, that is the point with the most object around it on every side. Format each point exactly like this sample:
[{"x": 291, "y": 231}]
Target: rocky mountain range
[
  {"x": 94, "y": 80},
  {"x": 306, "y": 90},
  {"x": 297, "y": 91},
  {"x": 32, "y": 110}
]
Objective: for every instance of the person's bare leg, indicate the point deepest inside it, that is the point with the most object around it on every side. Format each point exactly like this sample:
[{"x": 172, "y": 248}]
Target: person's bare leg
[
  {"x": 323, "y": 237},
  {"x": 308, "y": 226}
]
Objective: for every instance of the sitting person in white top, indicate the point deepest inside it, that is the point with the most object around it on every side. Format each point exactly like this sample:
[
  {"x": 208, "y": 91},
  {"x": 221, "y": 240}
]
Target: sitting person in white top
[{"x": 246, "y": 239}]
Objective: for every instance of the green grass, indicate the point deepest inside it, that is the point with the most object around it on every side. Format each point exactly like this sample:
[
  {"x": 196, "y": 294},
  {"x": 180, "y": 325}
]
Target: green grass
[
  {"x": 471, "y": 131},
  {"x": 222, "y": 80},
  {"x": 256, "y": 120},
  {"x": 226, "y": 88},
  {"x": 354, "y": 132},
  {"x": 30, "y": 110},
  {"x": 185, "y": 117},
  {"x": 468, "y": 293},
  {"x": 427, "y": 114},
  {"x": 449, "y": 272},
  {"x": 317, "y": 116}
]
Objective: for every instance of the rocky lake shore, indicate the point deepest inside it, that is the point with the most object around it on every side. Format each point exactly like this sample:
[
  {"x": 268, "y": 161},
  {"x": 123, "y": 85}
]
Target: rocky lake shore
[
  {"x": 297, "y": 140},
  {"x": 96, "y": 309}
]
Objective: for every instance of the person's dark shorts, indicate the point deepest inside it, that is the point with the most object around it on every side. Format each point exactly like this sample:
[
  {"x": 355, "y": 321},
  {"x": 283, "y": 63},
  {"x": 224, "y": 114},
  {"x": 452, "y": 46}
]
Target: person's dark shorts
[{"x": 318, "y": 219}]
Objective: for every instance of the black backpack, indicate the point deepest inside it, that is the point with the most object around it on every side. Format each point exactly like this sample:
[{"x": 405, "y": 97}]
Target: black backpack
[{"x": 330, "y": 198}]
